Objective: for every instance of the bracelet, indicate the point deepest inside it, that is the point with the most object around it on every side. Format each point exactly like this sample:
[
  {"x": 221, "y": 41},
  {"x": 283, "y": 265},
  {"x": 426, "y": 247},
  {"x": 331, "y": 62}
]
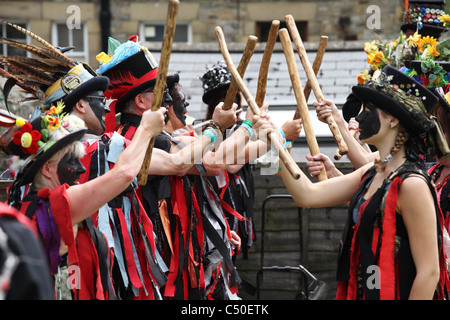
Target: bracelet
[
  {"x": 216, "y": 125},
  {"x": 282, "y": 133},
  {"x": 210, "y": 134},
  {"x": 249, "y": 128},
  {"x": 249, "y": 123}
]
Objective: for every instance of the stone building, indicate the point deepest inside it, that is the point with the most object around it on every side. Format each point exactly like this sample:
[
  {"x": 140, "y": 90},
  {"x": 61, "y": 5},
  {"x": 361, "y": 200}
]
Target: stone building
[{"x": 87, "y": 24}]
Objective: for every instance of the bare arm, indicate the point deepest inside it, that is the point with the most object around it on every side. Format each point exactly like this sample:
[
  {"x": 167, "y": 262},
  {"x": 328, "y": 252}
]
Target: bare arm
[
  {"x": 416, "y": 205},
  {"x": 87, "y": 198},
  {"x": 325, "y": 193}
]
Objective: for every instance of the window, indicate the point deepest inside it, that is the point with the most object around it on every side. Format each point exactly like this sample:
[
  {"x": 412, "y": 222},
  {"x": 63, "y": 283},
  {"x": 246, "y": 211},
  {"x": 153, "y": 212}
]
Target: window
[
  {"x": 11, "y": 33},
  {"x": 263, "y": 28},
  {"x": 62, "y": 36},
  {"x": 155, "y": 32}
]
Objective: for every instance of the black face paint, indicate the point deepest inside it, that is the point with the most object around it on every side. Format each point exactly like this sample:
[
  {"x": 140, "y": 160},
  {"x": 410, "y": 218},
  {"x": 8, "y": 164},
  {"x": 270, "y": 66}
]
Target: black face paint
[
  {"x": 70, "y": 169},
  {"x": 369, "y": 122},
  {"x": 179, "y": 103},
  {"x": 97, "y": 103}
]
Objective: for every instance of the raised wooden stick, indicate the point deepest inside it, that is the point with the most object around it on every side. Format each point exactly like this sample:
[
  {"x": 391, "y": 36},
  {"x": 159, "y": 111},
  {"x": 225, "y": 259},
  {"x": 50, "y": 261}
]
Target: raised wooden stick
[
  {"x": 264, "y": 68},
  {"x": 316, "y": 64},
  {"x": 233, "y": 89},
  {"x": 290, "y": 164},
  {"x": 343, "y": 149},
  {"x": 160, "y": 85},
  {"x": 302, "y": 106}
]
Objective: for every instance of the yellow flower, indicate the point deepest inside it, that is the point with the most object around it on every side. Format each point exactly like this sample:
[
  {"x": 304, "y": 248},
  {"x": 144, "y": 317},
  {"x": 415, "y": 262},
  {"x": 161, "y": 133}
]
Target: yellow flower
[
  {"x": 363, "y": 77},
  {"x": 427, "y": 42},
  {"x": 445, "y": 19},
  {"x": 376, "y": 60},
  {"x": 414, "y": 39},
  {"x": 393, "y": 44},
  {"x": 370, "y": 47},
  {"x": 53, "y": 122}
]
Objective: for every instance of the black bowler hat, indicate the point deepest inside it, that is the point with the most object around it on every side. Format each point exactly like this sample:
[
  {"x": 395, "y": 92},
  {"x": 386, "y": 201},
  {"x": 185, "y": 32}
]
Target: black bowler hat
[{"x": 410, "y": 108}]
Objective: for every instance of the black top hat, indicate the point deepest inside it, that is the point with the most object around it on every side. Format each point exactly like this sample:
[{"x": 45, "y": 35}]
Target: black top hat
[
  {"x": 409, "y": 108},
  {"x": 423, "y": 17},
  {"x": 216, "y": 78}
]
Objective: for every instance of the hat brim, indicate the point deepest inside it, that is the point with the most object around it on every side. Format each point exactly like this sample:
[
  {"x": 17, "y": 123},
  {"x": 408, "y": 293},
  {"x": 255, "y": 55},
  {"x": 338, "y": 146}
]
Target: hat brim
[
  {"x": 173, "y": 78},
  {"x": 389, "y": 105},
  {"x": 133, "y": 93},
  {"x": 99, "y": 83},
  {"x": 29, "y": 172}
]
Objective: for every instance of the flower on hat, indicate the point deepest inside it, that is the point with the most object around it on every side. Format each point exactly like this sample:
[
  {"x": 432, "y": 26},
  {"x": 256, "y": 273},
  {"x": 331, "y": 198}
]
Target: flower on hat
[
  {"x": 27, "y": 138},
  {"x": 414, "y": 39},
  {"x": 445, "y": 19},
  {"x": 72, "y": 123},
  {"x": 376, "y": 60},
  {"x": 428, "y": 43},
  {"x": 363, "y": 77}
]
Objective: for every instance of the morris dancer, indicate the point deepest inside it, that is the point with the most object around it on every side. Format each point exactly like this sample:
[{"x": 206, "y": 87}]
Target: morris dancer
[{"x": 392, "y": 202}]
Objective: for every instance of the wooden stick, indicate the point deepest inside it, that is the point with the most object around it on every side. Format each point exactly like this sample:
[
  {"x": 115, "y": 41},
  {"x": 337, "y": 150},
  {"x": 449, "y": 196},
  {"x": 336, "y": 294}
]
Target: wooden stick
[
  {"x": 343, "y": 149},
  {"x": 233, "y": 89},
  {"x": 316, "y": 64},
  {"x": 302, "y": 106},
  {"x": 337, "y": 155},
  {"x": 290, "y": 164},
  {"x": 160, "y": 85},
  {"x": 264, "y": 68}
]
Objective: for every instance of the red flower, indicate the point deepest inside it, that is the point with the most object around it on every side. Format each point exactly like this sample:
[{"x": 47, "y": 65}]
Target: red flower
[{"x": 27, "y": 139}]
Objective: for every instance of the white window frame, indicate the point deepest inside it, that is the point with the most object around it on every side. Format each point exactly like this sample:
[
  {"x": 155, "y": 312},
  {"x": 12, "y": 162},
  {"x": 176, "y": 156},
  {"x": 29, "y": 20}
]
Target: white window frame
[
  {"x": 73, "y": 53},
  {"x": 143, "y": 24},
  {"x": 3, "y": 34}
]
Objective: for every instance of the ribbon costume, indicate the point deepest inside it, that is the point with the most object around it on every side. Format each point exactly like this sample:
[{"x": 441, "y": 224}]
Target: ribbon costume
[{"x": 175, "y": 204}]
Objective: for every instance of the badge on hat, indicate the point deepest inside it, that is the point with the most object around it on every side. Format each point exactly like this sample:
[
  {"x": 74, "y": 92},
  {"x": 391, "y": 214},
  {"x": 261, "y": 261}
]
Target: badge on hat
[{"x": 70, "y": 82}]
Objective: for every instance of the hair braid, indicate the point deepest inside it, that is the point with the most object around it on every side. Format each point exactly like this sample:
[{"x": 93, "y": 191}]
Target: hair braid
[{"x": 400, "y": 140}]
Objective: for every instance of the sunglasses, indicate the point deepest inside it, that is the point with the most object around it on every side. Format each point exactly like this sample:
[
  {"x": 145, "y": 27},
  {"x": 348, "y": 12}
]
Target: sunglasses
[{"x": 103, "y": 99}]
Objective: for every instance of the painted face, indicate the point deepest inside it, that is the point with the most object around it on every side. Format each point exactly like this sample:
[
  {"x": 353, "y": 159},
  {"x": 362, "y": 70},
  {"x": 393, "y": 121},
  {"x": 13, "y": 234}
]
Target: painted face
[
  {"x": 179, "y": 103},
  {"x": 369, "y": 122},
  {"x": 70, "y": 169},
  {"x": 97, "y": 103}
]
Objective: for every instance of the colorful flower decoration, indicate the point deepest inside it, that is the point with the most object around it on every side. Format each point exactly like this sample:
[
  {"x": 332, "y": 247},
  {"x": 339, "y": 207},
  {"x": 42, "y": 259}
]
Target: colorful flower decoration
[
  {"x": 400, "y": 52},
  {"x": 27, "y": 138},
  {"x": 30, "y": 139},
  {"x": 363, "y": 77}
]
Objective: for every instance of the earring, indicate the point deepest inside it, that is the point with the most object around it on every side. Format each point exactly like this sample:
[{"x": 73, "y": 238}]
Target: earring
[{"x": 389, "y": 125}]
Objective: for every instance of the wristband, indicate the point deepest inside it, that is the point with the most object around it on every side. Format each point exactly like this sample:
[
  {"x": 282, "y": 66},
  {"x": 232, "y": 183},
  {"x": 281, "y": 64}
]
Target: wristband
[
  {"x": 282, "y": 133},
  {"x": 249, "y": 128},
  {"x": 210, "y": 134},
  {"x": 248, "y": 122}
]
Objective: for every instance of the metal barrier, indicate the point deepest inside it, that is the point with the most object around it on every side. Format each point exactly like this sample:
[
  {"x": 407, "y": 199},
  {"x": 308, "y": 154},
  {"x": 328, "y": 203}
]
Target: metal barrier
[{"x": 313, "y": 288}]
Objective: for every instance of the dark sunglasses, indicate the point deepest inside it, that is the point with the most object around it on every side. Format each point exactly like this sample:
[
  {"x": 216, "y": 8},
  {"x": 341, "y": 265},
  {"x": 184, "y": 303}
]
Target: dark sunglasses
[{"x": 103, "y": 99}]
